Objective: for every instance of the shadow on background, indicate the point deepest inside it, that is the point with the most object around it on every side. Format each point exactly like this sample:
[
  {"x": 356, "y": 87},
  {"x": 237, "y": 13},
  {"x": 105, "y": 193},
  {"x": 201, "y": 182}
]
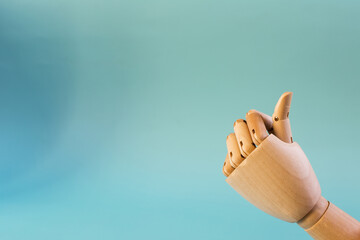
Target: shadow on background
[{"x": 37, "y": 77}]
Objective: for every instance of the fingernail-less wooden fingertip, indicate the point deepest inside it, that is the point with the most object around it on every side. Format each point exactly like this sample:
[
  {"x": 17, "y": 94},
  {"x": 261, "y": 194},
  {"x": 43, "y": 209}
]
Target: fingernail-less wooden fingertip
[
  {"x": 281, "y": 122},
  {"x": 235, "y": 156},
  {"x": 243, "y": 137}
]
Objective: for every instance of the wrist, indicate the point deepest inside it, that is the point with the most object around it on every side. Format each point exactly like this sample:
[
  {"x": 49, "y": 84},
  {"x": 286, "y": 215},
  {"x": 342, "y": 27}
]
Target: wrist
[
  {"x": 315, "y": 214},
  {"x": 328, "y": 222}
]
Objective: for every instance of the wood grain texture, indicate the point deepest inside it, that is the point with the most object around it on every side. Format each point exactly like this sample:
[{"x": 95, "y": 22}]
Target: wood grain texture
[
  {"x": 278, "y": 179},
  {"x": 335, "y": 224},
  {"x": 315, "y": 214},
  {"x": 281, "y": 122}
]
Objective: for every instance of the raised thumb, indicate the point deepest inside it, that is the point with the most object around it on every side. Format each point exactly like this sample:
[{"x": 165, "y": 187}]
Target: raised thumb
[{"x": 281, "y": 124}]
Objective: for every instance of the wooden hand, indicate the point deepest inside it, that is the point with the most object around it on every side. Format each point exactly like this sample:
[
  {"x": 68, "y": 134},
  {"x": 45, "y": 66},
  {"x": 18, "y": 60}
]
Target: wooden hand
[{"x": 267, "y": 168}]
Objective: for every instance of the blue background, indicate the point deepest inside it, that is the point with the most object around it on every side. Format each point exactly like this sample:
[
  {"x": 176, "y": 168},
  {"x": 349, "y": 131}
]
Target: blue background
[{"x": 114, "y": 114}]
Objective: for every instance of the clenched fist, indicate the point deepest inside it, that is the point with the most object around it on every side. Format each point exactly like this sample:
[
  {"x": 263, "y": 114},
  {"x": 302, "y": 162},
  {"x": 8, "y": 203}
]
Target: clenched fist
[
  {"x": 268, "y": 169},
  {"x": 257, "y": 127}
]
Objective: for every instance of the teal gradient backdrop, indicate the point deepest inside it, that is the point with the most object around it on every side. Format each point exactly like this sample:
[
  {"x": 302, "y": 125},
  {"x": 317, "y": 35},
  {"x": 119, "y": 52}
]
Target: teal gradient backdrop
[{"x": 114, "y": 114}]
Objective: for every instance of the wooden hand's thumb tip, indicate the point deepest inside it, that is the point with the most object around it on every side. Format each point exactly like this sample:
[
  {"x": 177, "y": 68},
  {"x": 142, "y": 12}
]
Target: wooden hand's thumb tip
[
  {"x": 285, "y": 98},
  {"x": 282, "y": 107}
]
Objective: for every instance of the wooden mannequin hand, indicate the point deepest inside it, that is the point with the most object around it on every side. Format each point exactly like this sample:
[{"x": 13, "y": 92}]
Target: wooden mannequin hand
[{"x": 268, "y": 169}]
